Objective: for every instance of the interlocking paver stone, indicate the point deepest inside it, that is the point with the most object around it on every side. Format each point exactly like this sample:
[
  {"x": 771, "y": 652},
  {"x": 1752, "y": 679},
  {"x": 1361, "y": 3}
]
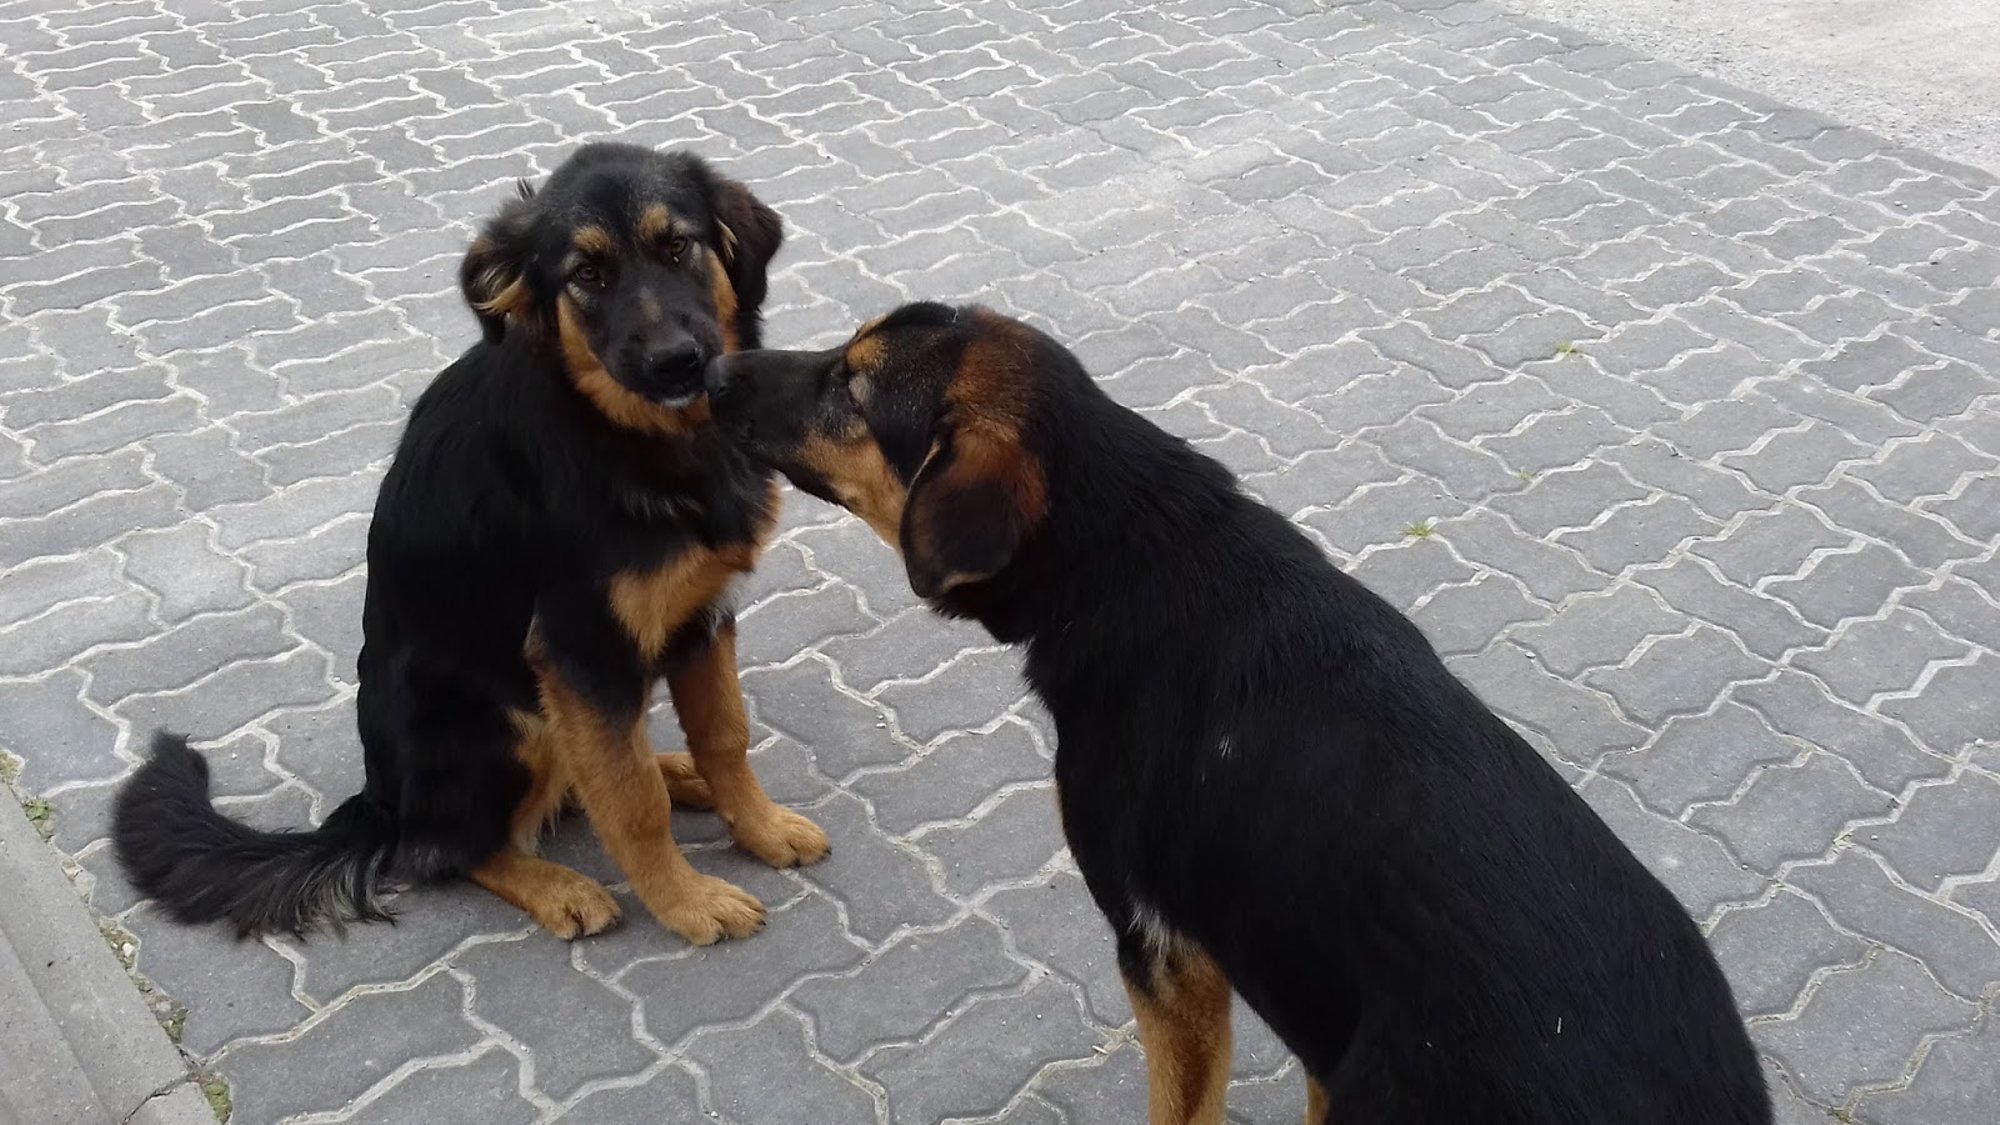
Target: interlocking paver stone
[{"x": 1694, "y": 393}]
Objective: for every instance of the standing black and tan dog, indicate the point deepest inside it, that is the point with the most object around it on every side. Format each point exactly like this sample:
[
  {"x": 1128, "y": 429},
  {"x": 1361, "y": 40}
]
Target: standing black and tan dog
[
  {"x": 1267, "y": 776},
  {"x": 561, "y": 527}
]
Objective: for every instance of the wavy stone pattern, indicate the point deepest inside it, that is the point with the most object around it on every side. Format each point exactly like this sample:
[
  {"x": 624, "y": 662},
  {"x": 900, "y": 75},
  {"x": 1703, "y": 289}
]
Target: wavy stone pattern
[{"x": 1668, "y": 410}]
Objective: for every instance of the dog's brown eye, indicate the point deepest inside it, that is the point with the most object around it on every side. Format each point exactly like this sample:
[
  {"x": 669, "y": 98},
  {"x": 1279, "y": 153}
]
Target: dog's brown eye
[
  {"x": 588, "y": 276},
  {"x": 676, "y": 247}
]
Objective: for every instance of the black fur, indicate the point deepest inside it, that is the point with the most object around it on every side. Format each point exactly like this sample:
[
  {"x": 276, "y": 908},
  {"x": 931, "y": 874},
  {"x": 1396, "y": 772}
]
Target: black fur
[
  {"x": 1261, "y": 756},
  {"x": 207, "y": 867},
  {"x": 511, "y": 501}
]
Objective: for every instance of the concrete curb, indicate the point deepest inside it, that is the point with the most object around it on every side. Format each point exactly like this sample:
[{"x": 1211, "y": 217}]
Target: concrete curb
[{"x": 77, "y": 1044}]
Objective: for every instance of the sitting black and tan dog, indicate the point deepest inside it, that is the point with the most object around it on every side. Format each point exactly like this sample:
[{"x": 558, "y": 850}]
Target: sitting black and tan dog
[
  {"x": 1268, "y": 778},
  {"x": 561, "y": 528}
]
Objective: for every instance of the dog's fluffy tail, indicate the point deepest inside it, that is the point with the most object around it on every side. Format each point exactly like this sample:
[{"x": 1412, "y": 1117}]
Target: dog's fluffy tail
[{"x": 204, "y": 867}]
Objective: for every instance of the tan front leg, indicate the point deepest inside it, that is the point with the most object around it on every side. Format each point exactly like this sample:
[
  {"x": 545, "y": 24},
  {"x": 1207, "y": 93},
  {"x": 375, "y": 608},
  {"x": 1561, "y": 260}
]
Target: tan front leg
[
  {"x": 1183, "y": 1013},
  {"x": 624, "y": 792},
  {"x": 1316, "y": 1111},
  {"x": 709, "y": 702}
]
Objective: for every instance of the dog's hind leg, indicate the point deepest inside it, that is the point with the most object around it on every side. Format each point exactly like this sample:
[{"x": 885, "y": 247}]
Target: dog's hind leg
[
  {"x": 709, "y": 702},
  {"x": 684, "y": 782},
  {"x": 1181, "y": 999}
]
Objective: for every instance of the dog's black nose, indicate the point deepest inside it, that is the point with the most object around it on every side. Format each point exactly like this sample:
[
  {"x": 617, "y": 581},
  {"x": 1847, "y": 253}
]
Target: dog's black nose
[
  {"x": 676, "y": 363},
  {"x": 718, "y": 376}
]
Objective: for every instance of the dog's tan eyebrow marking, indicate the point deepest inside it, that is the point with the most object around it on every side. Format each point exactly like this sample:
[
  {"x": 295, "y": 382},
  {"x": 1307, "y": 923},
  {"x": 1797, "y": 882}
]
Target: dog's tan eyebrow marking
[
  {"x": 655, "y": 223},
  {"x": 592, "y": 241},
  {"x": 864, "y": 351}
]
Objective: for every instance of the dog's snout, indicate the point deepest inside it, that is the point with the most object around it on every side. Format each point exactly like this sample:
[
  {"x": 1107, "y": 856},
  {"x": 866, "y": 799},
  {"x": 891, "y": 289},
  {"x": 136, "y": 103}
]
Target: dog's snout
[{"x": 677, "y": 362}]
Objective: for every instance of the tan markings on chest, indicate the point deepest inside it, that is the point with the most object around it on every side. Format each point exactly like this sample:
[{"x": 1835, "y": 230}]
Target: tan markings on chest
[{"x": 653, "y": 604}]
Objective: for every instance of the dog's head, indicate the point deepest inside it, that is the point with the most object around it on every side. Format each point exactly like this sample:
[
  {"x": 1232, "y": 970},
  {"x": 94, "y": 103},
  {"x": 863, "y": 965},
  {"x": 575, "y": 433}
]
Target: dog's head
[
  {"x": 919, "y": 424},
  {"x": 636, "y": 267}
]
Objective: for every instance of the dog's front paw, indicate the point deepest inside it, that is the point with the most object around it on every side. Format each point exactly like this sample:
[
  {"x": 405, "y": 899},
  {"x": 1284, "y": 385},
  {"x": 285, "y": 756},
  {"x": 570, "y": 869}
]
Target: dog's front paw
[
  {"x": 780, "y": 837},
  {"x": 709, "y": 909},
  {"x": 577, "y": 907}
]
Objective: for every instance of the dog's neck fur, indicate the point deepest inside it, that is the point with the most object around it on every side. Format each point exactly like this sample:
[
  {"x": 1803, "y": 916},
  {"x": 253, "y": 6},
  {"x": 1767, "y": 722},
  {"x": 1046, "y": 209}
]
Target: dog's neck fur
[{"x": 1081, "y": 590}]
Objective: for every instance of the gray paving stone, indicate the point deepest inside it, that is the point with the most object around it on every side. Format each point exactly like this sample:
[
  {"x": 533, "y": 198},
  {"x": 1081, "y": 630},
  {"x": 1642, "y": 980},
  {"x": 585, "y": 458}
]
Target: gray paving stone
[
  {"x": 89, "y": 523},
  {"x": 1771, "y": 952},
  {"x": 1971, "y": 511},
  {"x": 75, "y": 627},
  {"x": 951, "y": 779},
  {"x": 1599, "y": 630},
  {"x": 1767, "y": 627},
  {"x": 245, "y": 985},
  {"x": 1383, "y": 514},
  {"x": 430, "y": 923},
  {"x": 1926, "y": 541},
  {"x": 910, "y": 646},
  {"x": 1570, "y": 497},
  {"x": 669, "y": 1095},
  {"x": 1957, "y": 708},
  {"x": 842, "y": 732},
  {"x": 1797, "y": 705},
  {"x": 68, "y": 741},
  {"x": 349, "y": 1051},
  {"x": 1055, "y": 922},
  {"x": 1862, "y": 1025},
  {"x": 234, "y": 696},
  {"x": 763, "y": 1073},
  {"x": 777, "y": 630},
  {"x": 1929, "y": 466},
  {"x": 732, "y": 980},
  {"x": 1959, "y": 1078},
  {"x": 1677, "y": 675},
  {"x": 577, "y": 1029},
  {"x": 1640, "y": 533},
  {"x": 183, "y": 655},
  {"x": 1793, "y": 811},
  {"x": 1700, "y": 758},
  {"x": 1959, "y": 608},
  {"x": 1860, "y": 896},
  {"x": 1846, "y": 584},
  {"x": 1772, "y": 543},
  {"x": 483, "y": 1090},
  {"x": 965, "y": 694},
  {"x": 1112, "y": 1090},
  {"x": 185, "y": 572},
  {"x": 976, "y": 1064},
  {"x": 1878, "y": 656},
  {"x": 332, "y": 549},
  {"x": 882, "y": 884},
  {"x": 1012, "y": 841},
  {"x": 907, "y": 988},
  {"x": 1942, "y": 831}
]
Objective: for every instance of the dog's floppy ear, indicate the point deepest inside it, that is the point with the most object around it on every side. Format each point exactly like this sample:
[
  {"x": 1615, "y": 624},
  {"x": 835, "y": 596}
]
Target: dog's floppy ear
[
  {"x": 748, "y": 234},
  {"x": 493, "y": 275},
  {"x": 972, "y": 503}
]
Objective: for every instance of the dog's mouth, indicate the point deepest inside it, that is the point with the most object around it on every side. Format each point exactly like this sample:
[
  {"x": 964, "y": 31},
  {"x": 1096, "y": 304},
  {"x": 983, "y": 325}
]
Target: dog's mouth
[
  {"x": 671, "y": 377},
  {"x": 676, "y": 400}
]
